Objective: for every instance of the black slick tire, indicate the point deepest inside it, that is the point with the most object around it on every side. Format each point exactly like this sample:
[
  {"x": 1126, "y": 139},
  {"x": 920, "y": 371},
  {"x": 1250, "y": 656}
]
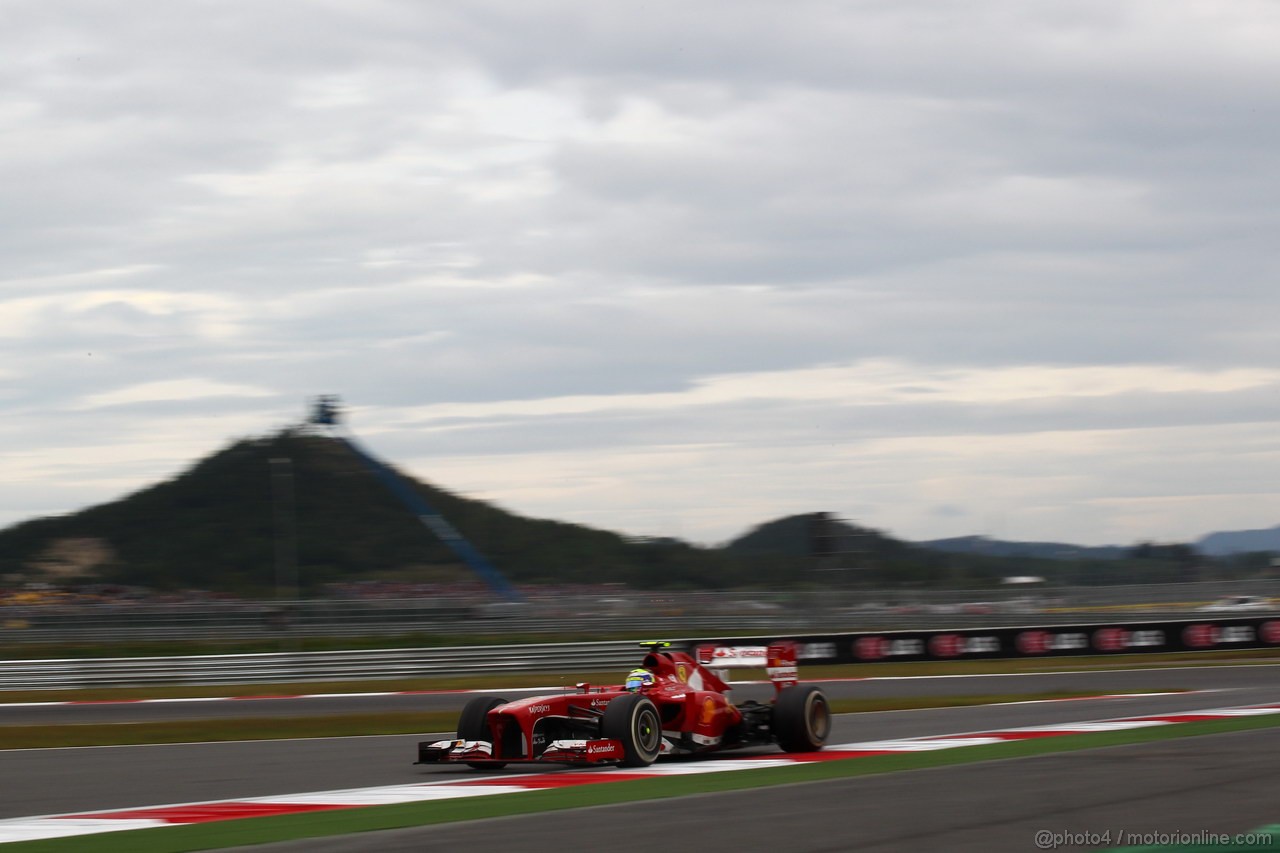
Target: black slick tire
[
  {"x": 801, "y": 718},
  {"x": 473, "y": 726},
  {"x": 633, "y": 719}
]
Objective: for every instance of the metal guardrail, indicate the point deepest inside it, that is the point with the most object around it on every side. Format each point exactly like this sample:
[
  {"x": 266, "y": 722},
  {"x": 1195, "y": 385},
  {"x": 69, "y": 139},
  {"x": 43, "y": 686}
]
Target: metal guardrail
[
  {"x": 361, "y": 665},
  {"x": 339, "y": 666},
  {"x": 640, "y": 614},
  {"x": 278, "y": 667}
]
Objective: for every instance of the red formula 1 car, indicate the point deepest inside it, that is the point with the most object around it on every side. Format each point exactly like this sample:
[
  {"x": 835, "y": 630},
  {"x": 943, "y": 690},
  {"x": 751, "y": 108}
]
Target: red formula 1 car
[{"x": 683, "y": 710}]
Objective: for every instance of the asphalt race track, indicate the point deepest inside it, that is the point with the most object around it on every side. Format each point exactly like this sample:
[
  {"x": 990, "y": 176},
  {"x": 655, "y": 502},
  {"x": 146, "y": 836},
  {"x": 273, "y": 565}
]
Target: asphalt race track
[{"x": 1220, "y": 783}]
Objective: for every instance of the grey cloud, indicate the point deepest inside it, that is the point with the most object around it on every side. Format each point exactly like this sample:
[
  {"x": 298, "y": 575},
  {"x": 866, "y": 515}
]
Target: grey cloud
[{"x": 690, "y": 190}]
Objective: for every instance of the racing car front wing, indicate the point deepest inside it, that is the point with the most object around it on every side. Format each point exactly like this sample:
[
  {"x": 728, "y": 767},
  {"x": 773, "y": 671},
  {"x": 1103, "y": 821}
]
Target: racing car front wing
[{"x": 603, "y": 751}]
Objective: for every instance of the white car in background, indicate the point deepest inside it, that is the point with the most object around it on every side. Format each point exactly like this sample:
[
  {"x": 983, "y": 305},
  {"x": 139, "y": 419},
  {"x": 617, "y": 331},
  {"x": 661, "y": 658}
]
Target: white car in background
[{"x": 1238, "y": 604}]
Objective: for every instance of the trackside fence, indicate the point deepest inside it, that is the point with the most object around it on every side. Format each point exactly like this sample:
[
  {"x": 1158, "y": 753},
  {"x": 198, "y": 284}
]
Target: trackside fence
[{"x": 1040, "y": 641}]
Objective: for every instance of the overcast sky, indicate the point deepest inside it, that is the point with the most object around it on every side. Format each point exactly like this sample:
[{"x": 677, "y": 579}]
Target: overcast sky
[{"x": 665, "y": 268}]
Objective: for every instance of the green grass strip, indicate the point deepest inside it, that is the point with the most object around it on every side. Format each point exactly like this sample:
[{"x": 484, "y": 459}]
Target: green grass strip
[
  {"x": 383, "y": 723},
  {"x": 263, "y": 830}
]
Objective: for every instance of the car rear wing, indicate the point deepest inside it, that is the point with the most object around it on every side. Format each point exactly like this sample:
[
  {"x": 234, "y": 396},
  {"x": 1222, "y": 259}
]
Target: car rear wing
[{"x": 778, "y": 660}]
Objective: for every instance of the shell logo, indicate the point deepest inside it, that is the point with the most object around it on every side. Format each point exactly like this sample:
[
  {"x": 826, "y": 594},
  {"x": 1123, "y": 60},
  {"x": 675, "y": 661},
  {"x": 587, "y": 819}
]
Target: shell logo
[
  {"x": 871, "y": 648},
  {"x": 1200, "y": 636},
  {"x": 1110, "y": 639},
  {"x": 1271, "y": 632},
  {"x": 708, "y": 712},
  {"x": 947, "y": 645},
  {"x": 1033, "y": 642}
]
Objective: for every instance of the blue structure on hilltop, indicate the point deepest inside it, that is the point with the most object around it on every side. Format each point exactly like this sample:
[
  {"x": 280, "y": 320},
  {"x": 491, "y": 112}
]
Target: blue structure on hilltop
[{"x": 326, "y": 412}]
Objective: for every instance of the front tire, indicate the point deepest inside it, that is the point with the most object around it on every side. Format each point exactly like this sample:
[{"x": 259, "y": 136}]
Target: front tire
[
  {"x": 634, "y": 720},
  {"x": 801, "y": 718},
  {"x": 473, "y": 725}
]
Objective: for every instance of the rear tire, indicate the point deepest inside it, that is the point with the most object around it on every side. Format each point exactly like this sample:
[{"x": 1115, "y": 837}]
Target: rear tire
[
  {"x": 801, "y": 718},
  {"x": 473, "y": 725},
  {"x": 633, "y": 719}
]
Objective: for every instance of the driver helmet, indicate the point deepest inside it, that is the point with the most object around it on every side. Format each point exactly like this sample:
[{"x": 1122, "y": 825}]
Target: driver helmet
[{"x": 637, "y": 680}]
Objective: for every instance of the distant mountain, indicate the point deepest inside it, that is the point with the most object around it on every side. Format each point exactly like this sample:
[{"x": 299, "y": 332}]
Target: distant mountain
[
  {"x": 217, "y": 527},
  {"x": 981, "y": 545},
  {"x": 1222, "y": 544},
  {"x": 1239, "y": 542}
]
